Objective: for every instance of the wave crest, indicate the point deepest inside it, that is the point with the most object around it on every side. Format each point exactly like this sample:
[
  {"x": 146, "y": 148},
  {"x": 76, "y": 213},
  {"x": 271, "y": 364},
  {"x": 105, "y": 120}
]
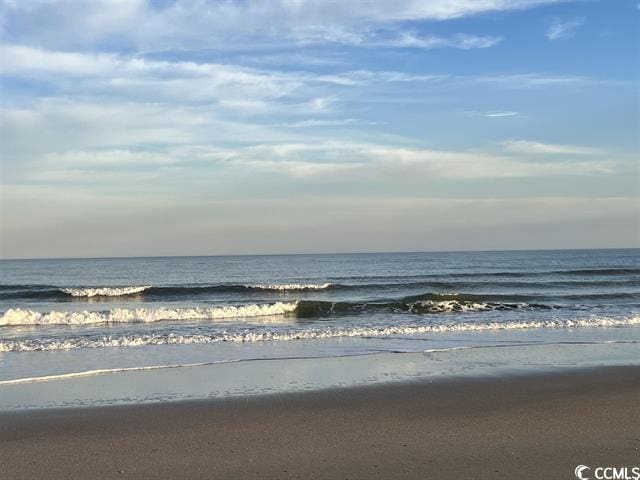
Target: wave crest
[
  {"x": 17, "y": 316},
  {"x": 104, "y": 291},
  {"x": 292, "y": 286}
]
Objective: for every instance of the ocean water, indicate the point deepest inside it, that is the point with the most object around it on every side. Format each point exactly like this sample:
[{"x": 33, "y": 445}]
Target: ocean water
[{"x": 65, "y": 318}]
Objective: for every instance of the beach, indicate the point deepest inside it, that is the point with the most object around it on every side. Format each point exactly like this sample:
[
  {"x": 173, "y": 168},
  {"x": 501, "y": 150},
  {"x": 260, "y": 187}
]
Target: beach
[{"x": 517, "y": 426}]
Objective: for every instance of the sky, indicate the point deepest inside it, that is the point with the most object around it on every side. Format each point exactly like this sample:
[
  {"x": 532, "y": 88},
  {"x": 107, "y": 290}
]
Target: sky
[{"x": 195, "y": 127}]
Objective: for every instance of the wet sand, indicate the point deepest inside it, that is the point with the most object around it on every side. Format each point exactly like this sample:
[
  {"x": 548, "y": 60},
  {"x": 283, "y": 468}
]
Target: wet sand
[{"x": 535, "y": 426}]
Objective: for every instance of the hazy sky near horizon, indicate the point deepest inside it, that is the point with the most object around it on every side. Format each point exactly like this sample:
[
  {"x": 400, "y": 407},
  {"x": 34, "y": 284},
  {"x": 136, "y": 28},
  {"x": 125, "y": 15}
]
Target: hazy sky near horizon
[{"x": 175, "y": 127}]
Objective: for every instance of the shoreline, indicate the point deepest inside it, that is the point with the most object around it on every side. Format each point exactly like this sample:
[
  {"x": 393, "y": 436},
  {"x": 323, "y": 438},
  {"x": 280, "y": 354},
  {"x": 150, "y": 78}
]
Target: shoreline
[
  {"x": 149, "y": 384},
  {"x": 536, "y": 425}
]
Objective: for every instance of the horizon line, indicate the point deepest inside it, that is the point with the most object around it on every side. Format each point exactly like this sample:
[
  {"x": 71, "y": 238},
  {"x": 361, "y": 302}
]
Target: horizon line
[{"x": 407, "y": 252}]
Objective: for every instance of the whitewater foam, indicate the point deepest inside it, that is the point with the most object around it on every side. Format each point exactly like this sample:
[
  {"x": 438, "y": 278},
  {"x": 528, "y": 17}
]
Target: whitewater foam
[
  {"x": 104, "y": 291},
  {"x": 264, "y": 335},
  {"x": 17, "y": 316},
  {"x": 292, "y": 286},
  {"x": 432, "y": 306}
]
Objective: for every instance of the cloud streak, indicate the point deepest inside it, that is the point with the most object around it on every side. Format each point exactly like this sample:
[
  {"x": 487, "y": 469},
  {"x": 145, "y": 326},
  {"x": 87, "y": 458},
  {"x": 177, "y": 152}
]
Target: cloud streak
[
  {"x": 494, "y": 114},
  {"x": 324, "y": 162},
  {"x": 562, "y": 29},
  {"x": 147, "y": 25},
  {"x": 204, "y": 80},
  {"x": 348, "y": 162},
  {"x": 540, "y": 148}
]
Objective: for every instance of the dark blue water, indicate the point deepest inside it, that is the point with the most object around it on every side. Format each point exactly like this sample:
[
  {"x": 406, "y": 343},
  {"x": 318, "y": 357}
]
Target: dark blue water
[{"x": 132, "y": 302}]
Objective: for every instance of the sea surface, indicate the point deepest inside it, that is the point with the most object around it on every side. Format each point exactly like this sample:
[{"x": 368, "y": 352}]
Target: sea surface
[{"x": 65, "y": 318}]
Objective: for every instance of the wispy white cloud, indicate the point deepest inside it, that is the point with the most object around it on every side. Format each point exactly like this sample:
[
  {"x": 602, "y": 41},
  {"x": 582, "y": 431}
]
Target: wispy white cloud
[
  {"x": 315, "y": 160},
  {"x": 494, "y": 114},
  {"x": 183, "y": 79},
  {"x": 539, "y": 148},
  {"x": 560, "y": 29},
  {"x": 128, "y": 71},
  {"x": 461, "y": 41},
  {"x": 188, "y": 80},
  {"x": 62, "y": 125},
  {"x": 126, "y": 100},
  {"x": 357, "y": 36},
  {"x": 338, "y": 122},
  {"x": 110, "y": 104},
  {"x": 143, "y": 24},
  {"x": 532, "y": 80},
  {"x": 291, "y": 58},
  {"x": 349, "y": 161},
  {"x": 500, "y": 114}
]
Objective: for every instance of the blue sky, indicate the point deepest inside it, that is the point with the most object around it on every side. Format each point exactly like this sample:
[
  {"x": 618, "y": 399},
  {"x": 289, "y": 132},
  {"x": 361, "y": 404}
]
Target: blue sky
[{"x": 201, "y": 127}]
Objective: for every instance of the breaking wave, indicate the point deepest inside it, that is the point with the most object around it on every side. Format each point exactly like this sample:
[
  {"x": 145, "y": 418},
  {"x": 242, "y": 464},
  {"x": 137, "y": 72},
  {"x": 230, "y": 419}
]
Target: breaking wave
[
  {"x": 420, "y": 304},
  {"x": 430, "y": 303},
  {"x": 18, "y": 316},
  {"x": 323, "y": 332}
]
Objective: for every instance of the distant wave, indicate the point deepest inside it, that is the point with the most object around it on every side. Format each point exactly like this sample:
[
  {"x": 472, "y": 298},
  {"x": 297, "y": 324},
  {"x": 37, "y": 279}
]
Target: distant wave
[
  {"x": 50, "y": 292},
  {"x": 321, "y": 332},
  {"x": 581, "y": 272},
  {"x": 291, "y": 286},
  {"x": 147, "y": 292},
  {"x": 186, "y": 290},
  {"x": 600, "y": 271},
  {"x": 104, "y": 291},
  {"x": 53, "y": 292}
]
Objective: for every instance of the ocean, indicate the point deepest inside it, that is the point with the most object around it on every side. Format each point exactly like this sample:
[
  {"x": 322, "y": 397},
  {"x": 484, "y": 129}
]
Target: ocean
[{"x": 73, "y": 317}]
